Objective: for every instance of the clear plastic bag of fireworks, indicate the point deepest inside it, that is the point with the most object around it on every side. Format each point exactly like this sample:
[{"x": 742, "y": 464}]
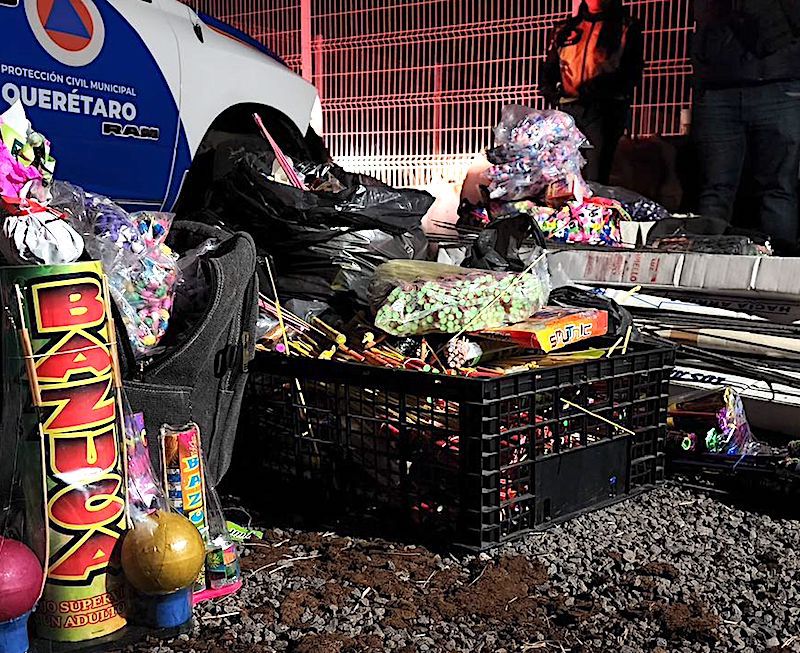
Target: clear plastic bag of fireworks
[
  {"x": 145, "y": 492},
  {"x": 535, "y": 150},
  {"x": 142, "y": 270},
  {"x": 419, "y": 297},
  {"x": 192, "y": 493}
]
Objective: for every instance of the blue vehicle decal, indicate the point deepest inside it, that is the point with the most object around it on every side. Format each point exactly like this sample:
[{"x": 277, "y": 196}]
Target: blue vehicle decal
[{"x": 90, "y": 84}]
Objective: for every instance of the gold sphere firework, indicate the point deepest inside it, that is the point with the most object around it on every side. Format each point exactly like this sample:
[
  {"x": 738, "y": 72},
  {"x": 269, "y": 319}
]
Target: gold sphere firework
[{"x": 162, "y": 553}]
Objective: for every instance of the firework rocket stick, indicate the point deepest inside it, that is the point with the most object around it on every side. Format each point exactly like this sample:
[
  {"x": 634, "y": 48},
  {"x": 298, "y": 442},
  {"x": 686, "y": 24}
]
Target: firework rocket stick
[
  {"x": 627, "y": 340},
  {"x": 27, "y": 347},
  {"x": 301, "y": 396},
  {"x": 598, "y": 416},
  {"x": 333, "y": 334}
]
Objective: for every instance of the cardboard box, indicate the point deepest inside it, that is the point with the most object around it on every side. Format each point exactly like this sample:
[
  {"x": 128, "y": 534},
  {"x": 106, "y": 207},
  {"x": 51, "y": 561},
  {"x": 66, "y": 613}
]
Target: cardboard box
[{"x": 714, "y": 274}]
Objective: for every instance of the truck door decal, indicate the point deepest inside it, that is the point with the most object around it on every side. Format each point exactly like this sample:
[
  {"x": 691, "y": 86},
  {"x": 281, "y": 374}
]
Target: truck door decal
[{"x": 91, "y": 84}]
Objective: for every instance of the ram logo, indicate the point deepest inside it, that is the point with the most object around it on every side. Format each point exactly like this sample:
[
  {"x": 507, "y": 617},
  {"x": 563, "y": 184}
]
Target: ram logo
[{"x": 131, "y": 131}]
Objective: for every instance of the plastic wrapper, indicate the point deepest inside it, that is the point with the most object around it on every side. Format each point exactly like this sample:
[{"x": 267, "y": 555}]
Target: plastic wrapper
[
  {"x": 714, "y": 422},
  {"x": 416, "y": 298},
  {"x": 27, "y": 162},
  {"x": 534, "y": 150},
  {"x": 71, "y": 202},
  {"x": 191, "y": 493},
  {"x": 193, "y": 289},
  {"x": 145, "y": 495},
  {"x": 15, "y": 177},
  {"x": 34, "y": 234},
  {"x": 594, "y": 222}
]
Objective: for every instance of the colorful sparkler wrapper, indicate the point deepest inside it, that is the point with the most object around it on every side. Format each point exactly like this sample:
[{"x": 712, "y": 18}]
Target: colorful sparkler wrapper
[
  {"x": 594, "y": 221},
  {"x": 184, "y": 479},
  {"x": 144, "y": 490},
  {"x": 222, "y": 564},
  {"x": 553, "y": 328},
  {"x": 712, "y": 422},
  {"x": 70, "y": 362}
]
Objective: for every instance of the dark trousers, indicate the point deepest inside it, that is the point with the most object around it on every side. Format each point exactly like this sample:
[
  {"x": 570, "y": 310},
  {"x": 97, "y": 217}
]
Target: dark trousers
[
  {"x": 603, "y": 123},
  {"x": 763, "y": 121}
]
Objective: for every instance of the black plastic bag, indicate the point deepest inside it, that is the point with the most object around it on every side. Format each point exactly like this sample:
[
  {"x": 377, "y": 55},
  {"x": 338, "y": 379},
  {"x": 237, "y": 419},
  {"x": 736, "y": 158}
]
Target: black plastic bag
[
  {"x": 504, "y": 243},
  {"x": 323, "y": 244},
  {"x": 640, "y": 208},
  {"x": 619, "y": 319}
]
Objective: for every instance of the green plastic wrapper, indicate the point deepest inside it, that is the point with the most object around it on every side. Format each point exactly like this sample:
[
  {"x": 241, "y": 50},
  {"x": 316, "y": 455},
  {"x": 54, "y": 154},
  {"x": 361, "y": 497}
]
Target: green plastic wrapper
[{"x": 418, "y": 297}]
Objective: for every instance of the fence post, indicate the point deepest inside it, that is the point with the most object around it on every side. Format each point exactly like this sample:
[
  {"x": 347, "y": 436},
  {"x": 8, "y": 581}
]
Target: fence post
[{"x": 305, "y": 39}]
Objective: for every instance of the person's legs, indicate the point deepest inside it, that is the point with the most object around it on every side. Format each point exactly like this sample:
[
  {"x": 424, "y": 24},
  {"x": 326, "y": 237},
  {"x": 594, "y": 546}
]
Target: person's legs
[
  {"x": 773, "y": 114},
  {"x": 590, "y": 122},
  {"x": 720, "y": 135},
  {"x": 615, "y": 116}
]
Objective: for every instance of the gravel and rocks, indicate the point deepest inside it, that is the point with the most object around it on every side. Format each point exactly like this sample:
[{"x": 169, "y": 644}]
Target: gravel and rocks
[{"x": 668, "y": 571}]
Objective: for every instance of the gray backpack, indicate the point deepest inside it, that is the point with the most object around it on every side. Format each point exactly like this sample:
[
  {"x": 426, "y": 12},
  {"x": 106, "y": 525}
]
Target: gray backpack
[{"x": 202, "y": 375}]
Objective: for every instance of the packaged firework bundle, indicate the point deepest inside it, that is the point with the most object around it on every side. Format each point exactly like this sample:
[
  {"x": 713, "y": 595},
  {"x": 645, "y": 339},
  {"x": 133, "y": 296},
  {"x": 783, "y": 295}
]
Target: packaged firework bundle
[
  {"x": 592, "y": 221},
  {"x": 552, "y": 328},
  {"x": 713, "y": 422},
  {"x": 535, "y": 151},
  {"x": 416, "y": 298},
  {"x": 190, "y": 492}
]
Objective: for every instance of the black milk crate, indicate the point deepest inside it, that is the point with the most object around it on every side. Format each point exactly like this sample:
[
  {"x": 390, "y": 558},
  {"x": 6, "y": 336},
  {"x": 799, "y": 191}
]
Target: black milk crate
[{"x": 465, "y": 462}]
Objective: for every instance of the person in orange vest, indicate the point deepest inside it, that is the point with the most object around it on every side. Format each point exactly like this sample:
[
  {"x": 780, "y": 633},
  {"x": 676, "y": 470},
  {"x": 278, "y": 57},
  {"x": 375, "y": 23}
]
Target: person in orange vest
[{"x": 595, "y": 62}]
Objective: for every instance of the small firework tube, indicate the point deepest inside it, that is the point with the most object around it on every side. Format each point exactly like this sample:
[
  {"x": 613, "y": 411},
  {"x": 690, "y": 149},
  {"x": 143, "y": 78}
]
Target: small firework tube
[
  {"x": 222, "y": 564},
  {"x": 184, "y": 479}
]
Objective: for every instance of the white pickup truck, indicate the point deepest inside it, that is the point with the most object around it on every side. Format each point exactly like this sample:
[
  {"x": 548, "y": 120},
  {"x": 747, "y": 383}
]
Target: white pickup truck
[{"x": 129, "y": 91}]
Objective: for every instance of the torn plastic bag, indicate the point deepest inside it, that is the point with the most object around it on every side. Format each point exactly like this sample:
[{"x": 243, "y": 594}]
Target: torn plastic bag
[
  {"x": 33, "y": 234},
  {"x": 504, "y": 242}
]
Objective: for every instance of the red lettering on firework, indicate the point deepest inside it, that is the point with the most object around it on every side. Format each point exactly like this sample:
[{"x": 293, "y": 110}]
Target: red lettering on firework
[
  {"x": 80, "y": 404},
  {"x": 74, "y": 355},
  {"x": 79, "y": 420},
  {"x": 66, "y": 305}
]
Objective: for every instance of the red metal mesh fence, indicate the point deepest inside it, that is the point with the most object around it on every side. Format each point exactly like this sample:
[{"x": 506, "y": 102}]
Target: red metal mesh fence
[{"x": 411, "y": 88}]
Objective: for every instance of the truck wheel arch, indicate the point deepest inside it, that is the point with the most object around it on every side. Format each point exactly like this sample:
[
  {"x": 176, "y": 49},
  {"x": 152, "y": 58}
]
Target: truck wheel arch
[{"x": 236, "y": 124}]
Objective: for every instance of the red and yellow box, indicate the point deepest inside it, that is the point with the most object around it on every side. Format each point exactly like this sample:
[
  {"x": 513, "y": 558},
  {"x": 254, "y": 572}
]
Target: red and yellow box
[{"x": 552, "y": 328}]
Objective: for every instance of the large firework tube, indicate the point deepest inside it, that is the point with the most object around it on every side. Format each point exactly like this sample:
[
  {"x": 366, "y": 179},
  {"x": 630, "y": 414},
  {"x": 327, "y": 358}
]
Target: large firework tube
[{"x": 66, "y": 339}]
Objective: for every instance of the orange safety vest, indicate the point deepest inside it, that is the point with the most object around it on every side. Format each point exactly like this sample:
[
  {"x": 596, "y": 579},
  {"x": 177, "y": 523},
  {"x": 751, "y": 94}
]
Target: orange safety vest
[{"x": 580, "y": 58}]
